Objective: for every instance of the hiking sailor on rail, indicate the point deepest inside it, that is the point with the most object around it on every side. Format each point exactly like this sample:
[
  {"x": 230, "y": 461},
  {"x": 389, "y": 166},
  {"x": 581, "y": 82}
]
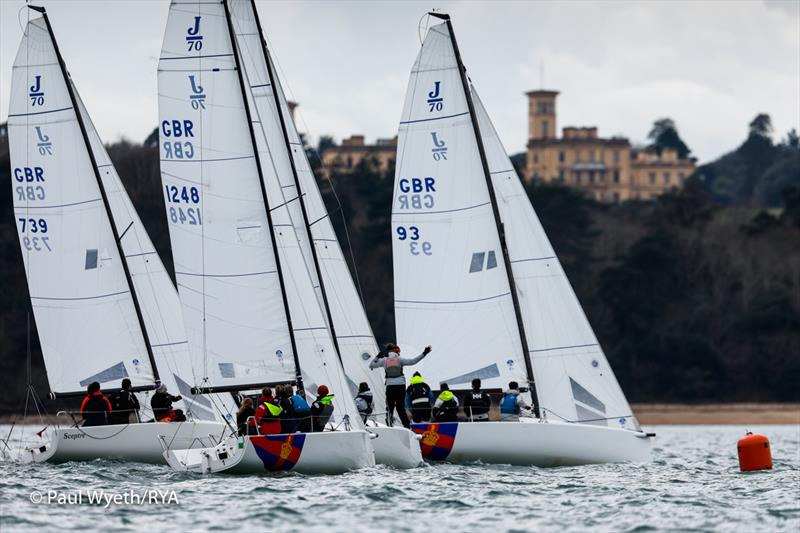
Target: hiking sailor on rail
[{"x": 393, "y": 365}]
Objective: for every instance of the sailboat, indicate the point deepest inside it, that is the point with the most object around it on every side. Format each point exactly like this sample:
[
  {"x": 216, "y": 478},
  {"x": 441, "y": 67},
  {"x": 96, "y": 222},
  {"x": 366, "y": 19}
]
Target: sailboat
[
  {"x": 105, "y": 307},
  {"x": 475, "y": 275},
  {"x": 250, "y": 306},
  {"x": 336, "y": 292}
]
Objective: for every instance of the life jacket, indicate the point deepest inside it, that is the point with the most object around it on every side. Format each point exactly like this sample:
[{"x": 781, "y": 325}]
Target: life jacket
[
  {"x": 95, "y": 409},
  {"x": 448, "y": 410},
  {"x": 508, "y": 406},
  {"x": 419, "y": 392},
  {"x": 322, "y": 411},
  {"x": 394, "y": 369},
  {"x": 479, "y": 403},
  {"x": 300, "y": 405}
]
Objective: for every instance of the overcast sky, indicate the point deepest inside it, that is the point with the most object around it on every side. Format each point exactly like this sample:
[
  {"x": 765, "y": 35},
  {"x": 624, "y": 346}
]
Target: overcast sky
[{"x": 619, "y": 65}]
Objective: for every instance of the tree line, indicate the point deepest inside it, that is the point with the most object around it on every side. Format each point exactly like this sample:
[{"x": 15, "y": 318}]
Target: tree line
[{"x": 694, "y": 296}]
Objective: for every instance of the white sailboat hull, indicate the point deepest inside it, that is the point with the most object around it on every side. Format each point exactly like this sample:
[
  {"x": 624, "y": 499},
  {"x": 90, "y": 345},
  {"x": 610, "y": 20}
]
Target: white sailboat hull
[
  {"x": 329, "y": 452},
  {"x": 141, "y": 443},
  {"x": 396, "y": 446},
  {"x": 529, "y": 442}
]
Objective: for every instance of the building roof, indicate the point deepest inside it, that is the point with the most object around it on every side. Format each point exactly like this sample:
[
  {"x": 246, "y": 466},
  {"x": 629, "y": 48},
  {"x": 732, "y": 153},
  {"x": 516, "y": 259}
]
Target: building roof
[{"x": 542, "y": 92}]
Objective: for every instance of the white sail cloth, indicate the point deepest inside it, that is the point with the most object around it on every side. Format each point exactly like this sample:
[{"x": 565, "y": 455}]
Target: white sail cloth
[
  {"x": 224, "y": 261},
  {"x": 451, "y": 287},
  {"x": 448, "y": 262},
  {"x": 573, "y": 378},
  {"x": 317, "y": 356},
  {"x": 354, "y": 335},
  {"x": 82, "y": 302}
]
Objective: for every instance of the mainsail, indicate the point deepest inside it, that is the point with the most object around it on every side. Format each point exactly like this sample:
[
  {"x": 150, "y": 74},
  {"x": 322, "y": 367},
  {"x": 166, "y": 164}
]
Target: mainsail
[
  {"x": 450, "y": 282},
  {"x": 249, "y": 124},
  {"x": 225, "y": 265},
  {"x": 84, "y": 302},
  {"x": 337, "y": 292},
  {"x": 444, "y": 155}
]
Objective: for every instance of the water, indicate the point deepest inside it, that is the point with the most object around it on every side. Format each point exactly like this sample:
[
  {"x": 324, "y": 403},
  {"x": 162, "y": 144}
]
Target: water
[{"x": 692, "y": 484}]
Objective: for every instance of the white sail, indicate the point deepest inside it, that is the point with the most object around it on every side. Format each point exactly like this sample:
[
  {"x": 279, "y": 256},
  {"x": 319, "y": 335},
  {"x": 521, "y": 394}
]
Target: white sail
[
  {"x": 319, "y": 362},
  {"x": 82, "y": 301},
  {"x": 450, "y": 282},
  {"x": 354, "y": 335},
  {"x": 224, "y": 261},
  {"x": 157, "y": 296},
  {"x": 573, "y": 378}
]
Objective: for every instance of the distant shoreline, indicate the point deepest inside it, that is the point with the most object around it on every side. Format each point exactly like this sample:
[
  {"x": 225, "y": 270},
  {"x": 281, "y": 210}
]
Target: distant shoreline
[
  {"x": 648, "y": 414},
  {"x": 657, "y": 414}
]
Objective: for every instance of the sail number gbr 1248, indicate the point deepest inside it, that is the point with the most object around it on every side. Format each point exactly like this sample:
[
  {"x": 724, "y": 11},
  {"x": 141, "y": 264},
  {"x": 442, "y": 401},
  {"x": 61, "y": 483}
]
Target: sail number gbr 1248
[{"x": 184, "y": 205}]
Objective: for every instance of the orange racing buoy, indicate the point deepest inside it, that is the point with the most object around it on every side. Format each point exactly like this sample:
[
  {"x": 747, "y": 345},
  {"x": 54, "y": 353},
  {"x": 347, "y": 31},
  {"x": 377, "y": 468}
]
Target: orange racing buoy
[{"x": 754, "y": 453}]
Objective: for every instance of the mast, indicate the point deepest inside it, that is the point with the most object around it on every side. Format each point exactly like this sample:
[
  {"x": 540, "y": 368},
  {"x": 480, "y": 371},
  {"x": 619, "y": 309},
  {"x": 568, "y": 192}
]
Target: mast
[
  {"x": 232, "y": 35},
  {"x": 117, "y": 237},
  {"x": 495, "y": 210},
  {"x": 272, "y": 81}
]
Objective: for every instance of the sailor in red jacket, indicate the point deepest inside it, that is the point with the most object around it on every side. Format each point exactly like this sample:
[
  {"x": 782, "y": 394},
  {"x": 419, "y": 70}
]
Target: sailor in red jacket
[
  {"x": 268, "y": 413},
  {"x": 95, "y": 408}
]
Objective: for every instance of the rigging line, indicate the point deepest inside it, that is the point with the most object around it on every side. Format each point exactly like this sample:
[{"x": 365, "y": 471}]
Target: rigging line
[{"x": 325, "y": 175}]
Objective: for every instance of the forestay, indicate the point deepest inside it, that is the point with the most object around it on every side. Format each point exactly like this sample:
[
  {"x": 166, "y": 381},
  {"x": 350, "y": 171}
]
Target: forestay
[
  {"x": 354, "y": 335},
  {"x": 319, "y": 361},
  {"x": 450, "y": 282},
  {"x": 82, "y": 301},
  {"x": 224, "y": 260},
  {"x": 573, "y": 378}
]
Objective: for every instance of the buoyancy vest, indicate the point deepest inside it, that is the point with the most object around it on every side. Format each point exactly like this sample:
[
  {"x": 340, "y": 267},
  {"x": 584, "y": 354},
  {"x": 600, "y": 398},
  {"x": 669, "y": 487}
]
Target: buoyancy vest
[
  {"x": 394, "y": 369},
  {"x": 508, "y": 406},
  {"x": 300, "y": 405},
  {"x": 479, "y": 403},
  {"x": 322, "y": 410},
  {"x": 449, "y": 407},
  {"x": 419, "y": 392}
]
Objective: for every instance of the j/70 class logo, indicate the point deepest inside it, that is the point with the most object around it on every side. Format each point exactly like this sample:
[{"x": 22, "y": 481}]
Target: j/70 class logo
[
  {"x": 198, "y": 97},
  {"x": 435, "y": 101},
  {"x": 194, "y": 40},
  {"x": 36, "y": 93}
]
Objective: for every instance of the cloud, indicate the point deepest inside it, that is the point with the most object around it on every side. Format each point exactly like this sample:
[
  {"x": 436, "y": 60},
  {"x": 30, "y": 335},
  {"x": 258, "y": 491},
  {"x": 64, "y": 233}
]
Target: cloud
[{"x": 711, "y": 66}]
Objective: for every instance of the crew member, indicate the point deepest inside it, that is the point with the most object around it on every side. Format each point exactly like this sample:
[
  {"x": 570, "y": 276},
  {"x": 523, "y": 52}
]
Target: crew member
[
  {"x": 364, "y": 401},
  {"x": 477, "y": 403},
  {"x": 322, "y": 408},
  {"x": 393, "y": 365},
  {"x": 161, "y": 403},
  {"x": 302, "y": 412},
  {"x": 244, "y": 423},
  {"x": 512, "y": 404},
  {"x": 124, "y": 403},
  {"x": 419, "y": 399},
  {"x": 268, "y": 413},
  {"x": 95, "y": 408},
  {"x": 446, "y": 407},
  {"x": 288, "y": 419}
]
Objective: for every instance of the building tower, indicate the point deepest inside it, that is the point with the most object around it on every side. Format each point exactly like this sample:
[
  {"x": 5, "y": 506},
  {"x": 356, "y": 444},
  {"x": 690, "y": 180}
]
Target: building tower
[{"x": 542, "y": 114}]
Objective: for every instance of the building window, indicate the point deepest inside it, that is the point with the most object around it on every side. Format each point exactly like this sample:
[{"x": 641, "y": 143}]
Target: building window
[
  {"x": 681, "y": 177},
  {"x": 545, "y": 128},
  {"x": 602, "y": 176},
  {"x": 591, "y": 176},
  {"x": 561, "y": 175},
  {"x": 535, "y": 158},
  {"x": 542, "y": 107},
  {"x": 577, "y": 178},
  {"x": 349, "y": 161},
  {"x": 616, "y": 197},
  {"x": 666, "y": 178},
  {"x": 561, "y": 156},
  {"x": 616, "y": 156},
  {"x": 652, "y": 178},
  {"x": 591, "y": 155},
  {"x": 616, "y": 176}
]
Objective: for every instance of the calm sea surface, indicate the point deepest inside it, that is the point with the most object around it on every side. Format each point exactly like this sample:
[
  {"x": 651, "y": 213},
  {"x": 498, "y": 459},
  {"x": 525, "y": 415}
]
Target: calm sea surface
[{"x": 692, "y": 484}]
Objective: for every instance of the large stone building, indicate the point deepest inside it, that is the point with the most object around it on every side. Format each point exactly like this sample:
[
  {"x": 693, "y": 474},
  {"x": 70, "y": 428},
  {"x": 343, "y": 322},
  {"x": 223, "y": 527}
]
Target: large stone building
[
  {"x": 610, "y": 170},
  {"x": 345, "y": 157}
]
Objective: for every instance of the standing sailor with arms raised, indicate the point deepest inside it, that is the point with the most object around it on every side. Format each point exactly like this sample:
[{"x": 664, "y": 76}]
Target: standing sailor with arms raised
[{"x": 393, "y": 365}]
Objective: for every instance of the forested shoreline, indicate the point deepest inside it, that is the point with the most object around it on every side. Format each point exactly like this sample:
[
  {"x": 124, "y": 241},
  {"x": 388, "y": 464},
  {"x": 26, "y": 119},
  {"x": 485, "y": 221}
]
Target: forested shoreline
[{"x": 695, "y": 297}]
